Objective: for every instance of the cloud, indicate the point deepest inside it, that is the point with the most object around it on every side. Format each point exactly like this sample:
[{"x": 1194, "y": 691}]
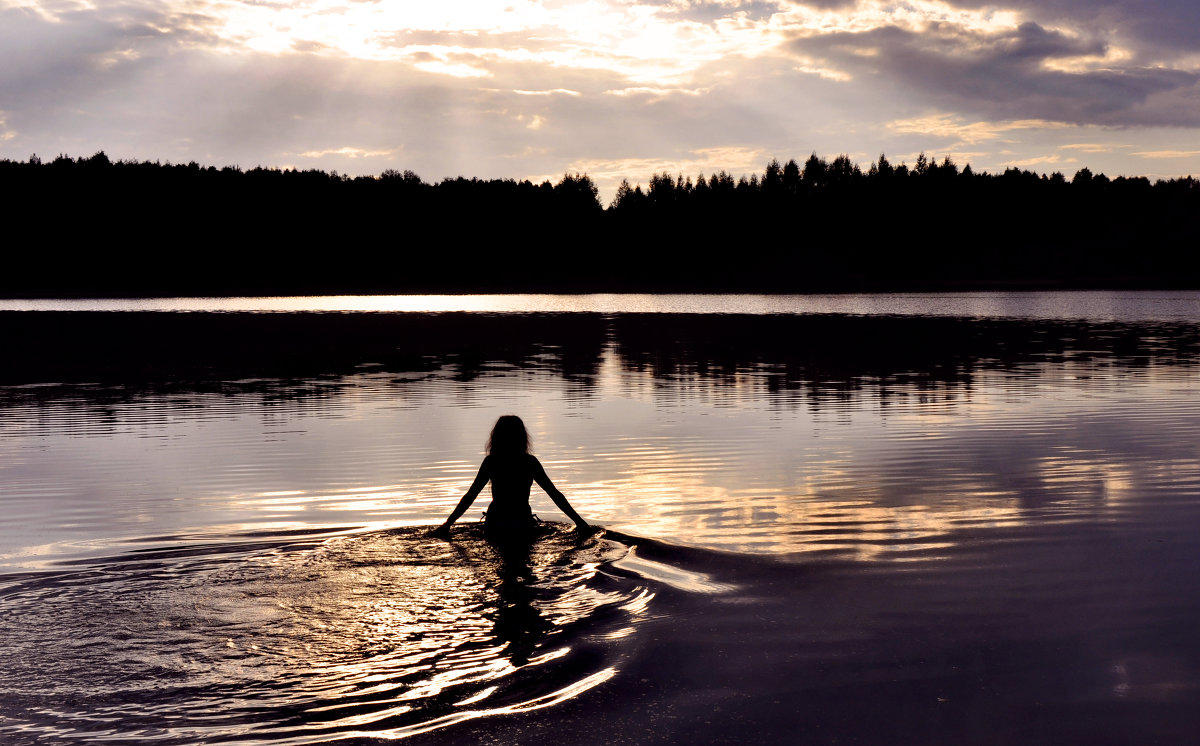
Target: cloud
[
  {"x": 1041, "y": 160},
  {"x": 810, "y": 66},
  {"x": 349, "y": 152},
  {"x": 5, "y": 132},
  {"x": 817, "y": 19},
  {"x": 997, "y": 70},
  {"x": 655, "y": 93},
  {"x": 1088, "y": 147},
  {"x": 955, "y": 127},
  {"x": 1154, "y": 28},
  {"x": 551, "y": 92},
  {"x": 1173, "y": 154},
  {"x": 463, "y": 69}
]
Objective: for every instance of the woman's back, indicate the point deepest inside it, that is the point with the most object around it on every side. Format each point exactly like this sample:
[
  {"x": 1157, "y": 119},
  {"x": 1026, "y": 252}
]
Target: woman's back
[{"x": 511, "y": 476}]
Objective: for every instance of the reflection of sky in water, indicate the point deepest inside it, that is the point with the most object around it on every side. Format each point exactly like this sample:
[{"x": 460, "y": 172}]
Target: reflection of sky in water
[{"x": 729, "y": 462}]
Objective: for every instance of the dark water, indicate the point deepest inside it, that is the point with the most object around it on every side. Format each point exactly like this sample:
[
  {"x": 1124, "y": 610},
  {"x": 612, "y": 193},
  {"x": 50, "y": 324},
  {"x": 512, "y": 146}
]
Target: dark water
[{"x": 820, "y": 527}]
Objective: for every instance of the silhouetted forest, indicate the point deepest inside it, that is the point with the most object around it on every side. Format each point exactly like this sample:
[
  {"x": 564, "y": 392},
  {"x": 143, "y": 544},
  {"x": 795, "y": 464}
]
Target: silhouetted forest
[{"x": 92, "y": 226}]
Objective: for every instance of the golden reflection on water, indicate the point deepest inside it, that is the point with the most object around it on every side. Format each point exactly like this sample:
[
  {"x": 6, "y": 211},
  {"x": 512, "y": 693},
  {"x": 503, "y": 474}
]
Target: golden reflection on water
[
  {"x": 1094, "y": 305},
  {"x": 385, "y": 634},
  {"x": 394, "y": 625},
  {"x": 859, "y": 478},
  {"x": 741, "y": 460},
  {"x": 893, "y": 481}
]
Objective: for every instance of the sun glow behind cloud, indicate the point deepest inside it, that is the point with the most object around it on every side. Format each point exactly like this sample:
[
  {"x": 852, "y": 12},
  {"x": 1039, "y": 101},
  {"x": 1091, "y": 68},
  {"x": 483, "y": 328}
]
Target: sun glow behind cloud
[
  {"x": 609, "y": 172},
  {"x": 467, "y": 38},
  {"x": 645, "y": 43}
]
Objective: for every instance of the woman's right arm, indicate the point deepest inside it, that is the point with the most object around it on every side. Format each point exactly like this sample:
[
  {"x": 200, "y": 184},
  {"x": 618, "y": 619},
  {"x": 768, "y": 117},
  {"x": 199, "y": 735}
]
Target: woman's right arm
[
  {"x": 472, "y": 492},
  {"x": 543, "y": 481}
]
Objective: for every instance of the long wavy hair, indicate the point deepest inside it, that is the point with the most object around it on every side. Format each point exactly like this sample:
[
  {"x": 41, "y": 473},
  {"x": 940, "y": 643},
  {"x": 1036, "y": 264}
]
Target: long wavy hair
[{"x": 508, "y": 437}]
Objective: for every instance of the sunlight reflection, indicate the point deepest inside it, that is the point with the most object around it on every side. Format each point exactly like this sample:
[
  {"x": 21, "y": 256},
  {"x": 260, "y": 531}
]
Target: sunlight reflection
[
  {"x": 536, "y": 703},
  {"x": 853, "y": 496},
  {"x": 673, "y": 576},
  {"x": 1180, "y": 306},
  {"x": 1095, "y": 305},
  {"x": 388, "y": 634}
]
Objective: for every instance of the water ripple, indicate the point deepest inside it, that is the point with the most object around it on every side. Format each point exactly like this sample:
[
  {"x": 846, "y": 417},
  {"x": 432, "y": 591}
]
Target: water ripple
[{"x": 384, "y": 633}]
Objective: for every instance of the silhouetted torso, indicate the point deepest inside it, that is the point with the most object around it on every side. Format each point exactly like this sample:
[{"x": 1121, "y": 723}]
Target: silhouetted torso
[{"x": 511, "y": 476}]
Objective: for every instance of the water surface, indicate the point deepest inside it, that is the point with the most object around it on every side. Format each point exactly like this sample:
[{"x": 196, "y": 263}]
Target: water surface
[
  {"x": 980, "y": 523},
  {"x": 1092, "y": 305}
]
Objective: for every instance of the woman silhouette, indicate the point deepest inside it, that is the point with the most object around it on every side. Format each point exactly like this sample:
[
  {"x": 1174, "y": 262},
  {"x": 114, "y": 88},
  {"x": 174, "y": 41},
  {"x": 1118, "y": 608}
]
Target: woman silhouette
[{"x": 511, "y": 469}]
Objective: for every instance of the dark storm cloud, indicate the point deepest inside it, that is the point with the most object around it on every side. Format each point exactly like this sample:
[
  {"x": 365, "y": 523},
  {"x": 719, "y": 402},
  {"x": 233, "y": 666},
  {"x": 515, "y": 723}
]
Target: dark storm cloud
[
  {"x": 1011, "y": 74},
  {"x": 1158, "y": 26}
]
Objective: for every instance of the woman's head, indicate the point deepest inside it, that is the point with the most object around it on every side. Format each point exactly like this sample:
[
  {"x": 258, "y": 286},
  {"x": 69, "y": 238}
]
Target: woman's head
[{"x": 508, "y": 436}]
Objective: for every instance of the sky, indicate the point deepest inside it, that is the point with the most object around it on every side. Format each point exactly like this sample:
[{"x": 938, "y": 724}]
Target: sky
[{"x": 613, "y": 88}]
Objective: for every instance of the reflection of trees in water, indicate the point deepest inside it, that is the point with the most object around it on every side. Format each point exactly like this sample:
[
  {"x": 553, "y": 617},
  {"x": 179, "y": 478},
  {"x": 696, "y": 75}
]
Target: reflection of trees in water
[
  {"x": 307, "y": 360},
  {"x": 199, "y": 349},
  {"x": 827, "y": 358}
]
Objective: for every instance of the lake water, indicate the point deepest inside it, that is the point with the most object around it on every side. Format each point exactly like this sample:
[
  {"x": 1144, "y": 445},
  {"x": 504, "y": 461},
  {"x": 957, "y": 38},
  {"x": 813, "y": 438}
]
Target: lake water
[{"x": 914, "y": 518}]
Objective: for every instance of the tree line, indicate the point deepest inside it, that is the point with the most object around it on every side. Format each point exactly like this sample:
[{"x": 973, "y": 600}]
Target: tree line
[{"x": 96, "y": 226}]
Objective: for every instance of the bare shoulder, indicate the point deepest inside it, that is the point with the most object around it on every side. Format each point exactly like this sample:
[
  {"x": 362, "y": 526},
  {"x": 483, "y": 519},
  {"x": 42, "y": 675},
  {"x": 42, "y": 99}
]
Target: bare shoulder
[{"x": 536, "y": 470}]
